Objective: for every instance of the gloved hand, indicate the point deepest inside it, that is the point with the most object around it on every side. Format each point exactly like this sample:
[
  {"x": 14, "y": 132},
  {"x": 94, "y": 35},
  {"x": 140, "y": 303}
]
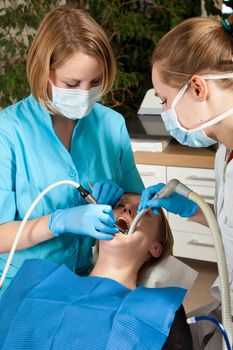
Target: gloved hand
[
  {"x": 92, "y": 220},
  {"x": 176, "y": 203},
  {"x": 107, "y": 192}
]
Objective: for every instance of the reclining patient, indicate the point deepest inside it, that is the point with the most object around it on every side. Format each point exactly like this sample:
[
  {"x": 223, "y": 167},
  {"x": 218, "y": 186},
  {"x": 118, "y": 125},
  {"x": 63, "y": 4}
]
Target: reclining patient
[{"x": 49, "y": 307}]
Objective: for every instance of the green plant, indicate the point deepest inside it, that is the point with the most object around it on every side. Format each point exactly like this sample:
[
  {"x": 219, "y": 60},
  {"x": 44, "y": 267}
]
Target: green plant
[
  {"x": 19, "y": 22},
  {"x": 133, "y": 26}
]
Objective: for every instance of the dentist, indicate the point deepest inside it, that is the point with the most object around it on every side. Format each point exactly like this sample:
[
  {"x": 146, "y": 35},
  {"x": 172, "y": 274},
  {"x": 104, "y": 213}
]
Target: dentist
[
  {"x": 193, "y": 75},
  {"x": 61, "y": 132}
]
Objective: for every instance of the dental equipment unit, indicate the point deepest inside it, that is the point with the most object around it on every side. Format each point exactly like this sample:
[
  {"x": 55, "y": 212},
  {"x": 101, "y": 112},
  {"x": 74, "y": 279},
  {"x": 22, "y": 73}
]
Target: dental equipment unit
[{"x": 174, "y": 185}]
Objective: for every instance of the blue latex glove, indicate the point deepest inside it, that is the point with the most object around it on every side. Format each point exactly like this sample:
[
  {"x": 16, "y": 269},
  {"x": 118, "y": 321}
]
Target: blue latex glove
[
  {"x": 92, "y": 220},
  {"x": 107, "y": 192},
  {"x": 175, "y": 204}
]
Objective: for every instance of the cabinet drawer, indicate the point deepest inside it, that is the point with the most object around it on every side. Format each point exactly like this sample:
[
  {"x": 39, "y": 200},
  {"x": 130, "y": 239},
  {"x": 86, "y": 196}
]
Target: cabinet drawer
[
  {"x": 192, "y": 176},
  {"x": 194, "y": 246},
  {"x": 186, "y": 226},
  {"x": 152, "y": 174}
]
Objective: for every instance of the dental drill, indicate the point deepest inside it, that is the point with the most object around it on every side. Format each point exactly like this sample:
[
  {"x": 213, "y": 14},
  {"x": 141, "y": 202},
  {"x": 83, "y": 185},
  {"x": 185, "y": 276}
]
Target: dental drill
[
  {"x": 85, "y": 195},
  {"x": 175, "y": 186},
  {"x": 90, "y": 199}
]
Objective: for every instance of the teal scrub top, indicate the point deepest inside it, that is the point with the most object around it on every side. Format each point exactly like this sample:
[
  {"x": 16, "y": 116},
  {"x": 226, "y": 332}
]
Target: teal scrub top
[{"x": 32, "y": 157}]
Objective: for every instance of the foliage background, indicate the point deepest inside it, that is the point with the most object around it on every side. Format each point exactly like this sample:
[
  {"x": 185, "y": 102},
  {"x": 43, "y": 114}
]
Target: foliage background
[{"x": 133, "y": 27}]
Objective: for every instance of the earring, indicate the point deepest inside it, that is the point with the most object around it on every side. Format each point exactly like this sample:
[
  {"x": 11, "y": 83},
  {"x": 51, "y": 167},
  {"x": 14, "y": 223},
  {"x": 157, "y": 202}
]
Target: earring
[{"x": 201, "y": 99}]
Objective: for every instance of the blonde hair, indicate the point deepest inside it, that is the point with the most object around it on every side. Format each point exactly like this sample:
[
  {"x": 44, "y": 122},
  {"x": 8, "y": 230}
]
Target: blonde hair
[
  {"x": 195, "y": 46},
  {"x": 165, "y": 237},
  {"x": 64, "y": 31}
]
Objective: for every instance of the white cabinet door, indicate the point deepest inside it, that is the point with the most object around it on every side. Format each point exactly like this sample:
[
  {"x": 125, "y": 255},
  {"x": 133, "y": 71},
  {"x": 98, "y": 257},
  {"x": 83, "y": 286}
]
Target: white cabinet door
[
  {"x": 152, "y": 174},
  {"x": 194, "y": 246},
  {"x": 193, "y": 240}
]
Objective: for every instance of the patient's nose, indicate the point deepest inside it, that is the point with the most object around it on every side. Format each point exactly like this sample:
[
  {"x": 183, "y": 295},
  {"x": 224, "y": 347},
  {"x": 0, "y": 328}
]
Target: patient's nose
[{"x": 128, "y": 208}]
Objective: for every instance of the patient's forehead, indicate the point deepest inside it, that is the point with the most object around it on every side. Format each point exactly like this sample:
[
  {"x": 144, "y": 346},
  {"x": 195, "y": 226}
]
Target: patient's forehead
[{"x": 133, "y": 198}]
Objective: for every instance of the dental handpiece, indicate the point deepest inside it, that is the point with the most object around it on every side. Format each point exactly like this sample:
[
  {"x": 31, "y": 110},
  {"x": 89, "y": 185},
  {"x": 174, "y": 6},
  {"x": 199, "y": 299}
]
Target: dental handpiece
[{"x": 90, "y": 199}]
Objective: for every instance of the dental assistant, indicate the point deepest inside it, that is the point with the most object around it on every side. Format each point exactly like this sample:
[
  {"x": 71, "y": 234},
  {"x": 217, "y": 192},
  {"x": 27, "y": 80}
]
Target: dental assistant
[
  {"x": 193, "y": 75},
  {"x": 60, "y": 132}
]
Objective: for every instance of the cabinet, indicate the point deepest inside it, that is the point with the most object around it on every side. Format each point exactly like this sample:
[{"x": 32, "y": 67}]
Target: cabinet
[{"x": 191, "y": 240}]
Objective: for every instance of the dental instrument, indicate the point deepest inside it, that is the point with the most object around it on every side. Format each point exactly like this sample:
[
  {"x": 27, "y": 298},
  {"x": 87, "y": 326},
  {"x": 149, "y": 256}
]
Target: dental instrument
[
  {"x": 174, "y": 185},
  {"x": 163, "y": 193},
  {"x": 90, "y": 199},
  {"x": 84, "y": 193}
]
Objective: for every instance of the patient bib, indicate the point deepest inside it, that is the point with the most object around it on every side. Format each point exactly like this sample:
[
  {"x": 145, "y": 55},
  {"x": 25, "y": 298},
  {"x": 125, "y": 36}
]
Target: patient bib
[{"x": 47, "y": 307}]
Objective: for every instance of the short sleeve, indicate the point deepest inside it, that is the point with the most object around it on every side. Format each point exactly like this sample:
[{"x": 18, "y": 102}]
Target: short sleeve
[
  {"x": 7, "y": 180},
  {"x": 131, "y": 180}
]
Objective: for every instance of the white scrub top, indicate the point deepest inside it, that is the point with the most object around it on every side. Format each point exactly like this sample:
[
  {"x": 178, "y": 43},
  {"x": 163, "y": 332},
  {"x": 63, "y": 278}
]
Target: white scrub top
[
  {"x": 33, "y": 157},
  {"x": 224, "y": 207}
]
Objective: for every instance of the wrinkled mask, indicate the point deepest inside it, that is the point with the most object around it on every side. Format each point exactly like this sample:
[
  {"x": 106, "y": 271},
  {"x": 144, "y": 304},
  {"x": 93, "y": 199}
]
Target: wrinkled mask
[{"x": 74, "y": 103}]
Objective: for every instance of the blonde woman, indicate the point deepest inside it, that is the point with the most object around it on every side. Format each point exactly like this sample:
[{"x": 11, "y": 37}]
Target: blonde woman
[
  {"x": 108, "y": 309},
  {"x": 193, "y": 75},
  {"x": 61, "y": 132}
]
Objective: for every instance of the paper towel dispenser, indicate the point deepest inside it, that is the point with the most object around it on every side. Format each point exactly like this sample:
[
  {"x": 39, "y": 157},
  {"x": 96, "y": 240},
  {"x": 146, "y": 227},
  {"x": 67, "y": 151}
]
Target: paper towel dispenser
[{"x": 149, "y": 114}]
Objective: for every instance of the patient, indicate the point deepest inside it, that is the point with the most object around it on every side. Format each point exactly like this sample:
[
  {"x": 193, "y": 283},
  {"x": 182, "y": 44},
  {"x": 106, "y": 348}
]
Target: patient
[
  {"x": 126, "y": 256},
  {"x": 49, "y": 307}
]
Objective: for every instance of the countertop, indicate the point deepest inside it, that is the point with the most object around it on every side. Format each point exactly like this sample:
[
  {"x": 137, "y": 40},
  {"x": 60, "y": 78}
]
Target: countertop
[{"x": 178, "y": 155}]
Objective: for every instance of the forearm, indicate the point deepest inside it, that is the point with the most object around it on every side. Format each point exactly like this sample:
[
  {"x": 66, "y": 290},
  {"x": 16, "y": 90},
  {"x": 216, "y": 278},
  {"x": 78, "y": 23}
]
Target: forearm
[
  {"x": 34, "y": 232},
  {"x": 199, "y": 216}
]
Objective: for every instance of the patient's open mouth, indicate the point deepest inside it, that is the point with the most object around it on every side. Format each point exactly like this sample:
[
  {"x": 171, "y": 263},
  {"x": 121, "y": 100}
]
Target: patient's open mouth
[{"x": 123, "y": 224}]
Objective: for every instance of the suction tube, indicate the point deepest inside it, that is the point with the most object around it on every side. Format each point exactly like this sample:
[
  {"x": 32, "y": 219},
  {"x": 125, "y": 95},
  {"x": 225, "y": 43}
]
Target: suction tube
[
  {"x": 221, "y": 261},
  {"x": 220, "y": 254},
  {"x": 175, "y": 186}
]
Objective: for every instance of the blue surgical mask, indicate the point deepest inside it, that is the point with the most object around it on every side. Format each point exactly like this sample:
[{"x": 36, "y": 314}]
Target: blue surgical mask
[
  {"x": 192, "y": 137},
  {"x": 74, "y": 103}
]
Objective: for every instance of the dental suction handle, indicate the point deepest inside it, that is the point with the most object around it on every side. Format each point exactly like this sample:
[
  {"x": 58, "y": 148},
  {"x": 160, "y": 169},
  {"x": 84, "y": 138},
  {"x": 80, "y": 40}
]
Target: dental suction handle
[
  {"x": 165, "y": 192},
  {"x": 173, "y": 185}
]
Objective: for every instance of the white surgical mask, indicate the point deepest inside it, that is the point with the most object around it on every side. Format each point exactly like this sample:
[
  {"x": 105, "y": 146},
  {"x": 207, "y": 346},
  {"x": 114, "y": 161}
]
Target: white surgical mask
[
  {"x": 193, "y": 137},
  {"x": 74, "y": 103}
]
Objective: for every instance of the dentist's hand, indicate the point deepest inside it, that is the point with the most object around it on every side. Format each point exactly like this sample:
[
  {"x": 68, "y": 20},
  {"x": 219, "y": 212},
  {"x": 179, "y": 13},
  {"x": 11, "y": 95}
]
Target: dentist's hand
[
  {"x": 93, "y": 220},
  {"x": 175, "y": 204},
  {"x": 107, "y": 192}
]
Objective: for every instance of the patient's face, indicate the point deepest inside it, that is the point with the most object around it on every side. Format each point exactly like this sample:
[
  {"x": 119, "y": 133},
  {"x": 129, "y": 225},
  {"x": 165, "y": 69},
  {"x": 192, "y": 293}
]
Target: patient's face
[
  {"x": 126, "y": 210},
  {"x": 147, "y": 229}
]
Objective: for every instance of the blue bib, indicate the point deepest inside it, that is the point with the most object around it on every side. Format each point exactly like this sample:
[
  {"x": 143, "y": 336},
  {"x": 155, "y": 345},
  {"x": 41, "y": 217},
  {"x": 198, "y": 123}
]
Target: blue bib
[{"x": 47, "y": 307}]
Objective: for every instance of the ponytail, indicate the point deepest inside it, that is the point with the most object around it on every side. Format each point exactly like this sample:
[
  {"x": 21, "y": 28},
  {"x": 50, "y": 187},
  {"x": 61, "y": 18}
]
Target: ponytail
[{"x": 196, "y": 46}]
